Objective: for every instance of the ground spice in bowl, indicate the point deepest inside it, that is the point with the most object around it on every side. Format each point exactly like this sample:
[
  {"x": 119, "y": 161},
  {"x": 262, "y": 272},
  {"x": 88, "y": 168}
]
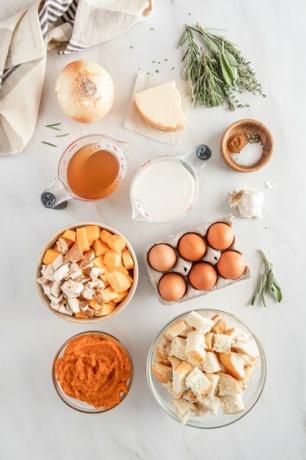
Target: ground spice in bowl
[
  {"x": 246, "y": 147},
  {"x": 93, "y": 368}
]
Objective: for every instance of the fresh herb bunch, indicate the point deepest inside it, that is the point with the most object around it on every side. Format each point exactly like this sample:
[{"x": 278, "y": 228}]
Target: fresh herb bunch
[
  {"x": 267, "y": 284},
  {"x": 215, "y": 69}
]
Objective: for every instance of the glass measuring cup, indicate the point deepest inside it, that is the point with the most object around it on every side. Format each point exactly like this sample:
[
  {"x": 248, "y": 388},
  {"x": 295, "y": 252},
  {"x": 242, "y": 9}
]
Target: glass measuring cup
[
  {"x": 57, "y": 195},
  {"x": 166, "y": 188}
]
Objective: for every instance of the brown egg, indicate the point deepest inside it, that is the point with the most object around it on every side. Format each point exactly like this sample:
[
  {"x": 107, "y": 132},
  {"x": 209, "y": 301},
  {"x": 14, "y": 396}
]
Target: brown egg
[
  {"x": 220, "y": 236},
  {"x": 172, "y": 286},
  {"x": 191, "y": 246},
  {"x": 202, "y": 276},
  {"x": 231, "y": 265},
  {"x": 162, "y": 257}
]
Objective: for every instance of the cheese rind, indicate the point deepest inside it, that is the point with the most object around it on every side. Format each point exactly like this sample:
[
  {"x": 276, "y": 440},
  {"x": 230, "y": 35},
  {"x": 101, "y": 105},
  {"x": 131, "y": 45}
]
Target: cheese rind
[{"x": 161, "y": 107}]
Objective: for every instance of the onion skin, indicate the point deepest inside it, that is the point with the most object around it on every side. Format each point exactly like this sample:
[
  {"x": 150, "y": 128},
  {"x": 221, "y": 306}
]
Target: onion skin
[{"x": 85, "y": 91}]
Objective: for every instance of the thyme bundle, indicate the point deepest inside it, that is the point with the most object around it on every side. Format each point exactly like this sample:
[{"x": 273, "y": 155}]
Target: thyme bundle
[{"x": 215, "y": 69}]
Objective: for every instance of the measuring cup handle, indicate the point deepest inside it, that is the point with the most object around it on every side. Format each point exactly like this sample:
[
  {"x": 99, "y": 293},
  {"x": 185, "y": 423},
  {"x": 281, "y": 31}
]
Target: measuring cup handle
[
  {"x": 198, "y": 157},
  {"x": 55, "y": 196}
]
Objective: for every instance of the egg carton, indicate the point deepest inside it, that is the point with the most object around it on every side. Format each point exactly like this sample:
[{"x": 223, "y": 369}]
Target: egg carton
[{"x": 183, "y": 266}]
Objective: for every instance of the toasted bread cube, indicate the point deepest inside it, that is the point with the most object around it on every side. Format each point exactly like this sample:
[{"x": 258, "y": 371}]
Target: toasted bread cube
[
  {"x": 209, "y": 340},
  {"x": 98, "y": 262},
  {"x": 161, "y": 372},
  {"x": 82, "y": 239},
  {"x": 100, "y": 248},
  {"x": 93, "y": 233},
  {"x": 127, "y": 258},
  {"x": 228, "y": 385},
  {"x": 116, "y": 242},
  {"x": 109, "y": 294},
  {"x": 50, "y": 256},
  {"x": 198, "y": 383},
  {"x": 214, "y": 380},
  {"x": 118, "y": 281},
  {"x": 232, "y": 404},
  {"x": 234, "y": 364},
  {"x": 178, "y": 328},
  {"x": 177, "y": 348},
  {"x": 184, "y": 409},
  {"x": 105, "y": 309},
  {"x": 199, "y": 322},
  {"x": 121, "y": 269},
  {"x": 195, "y": 347},
  {"x": 222, "y": 343},
  {"x": 104, "y": 235},
  {"x": 179, "y": 377},
  {"x": 69, "y": 235},
  {"x": 211, "y": 363},
  {"x": 120, "y": 297},
  {"x": 112, "y": 260}
]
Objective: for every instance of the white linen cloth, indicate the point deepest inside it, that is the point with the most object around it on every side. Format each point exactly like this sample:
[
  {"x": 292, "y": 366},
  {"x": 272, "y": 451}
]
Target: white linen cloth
[{"x": 66, "y": 26}]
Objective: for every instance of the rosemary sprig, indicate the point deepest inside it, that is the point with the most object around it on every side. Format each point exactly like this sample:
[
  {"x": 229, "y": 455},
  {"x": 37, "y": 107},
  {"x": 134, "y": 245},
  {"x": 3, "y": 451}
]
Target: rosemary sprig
[
  {"x": 215, "y": 69},
  {"x": 267, "y": 284}
]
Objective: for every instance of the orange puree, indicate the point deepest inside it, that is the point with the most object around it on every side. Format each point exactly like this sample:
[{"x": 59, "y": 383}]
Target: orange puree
[{"x": 94, "y": 369}]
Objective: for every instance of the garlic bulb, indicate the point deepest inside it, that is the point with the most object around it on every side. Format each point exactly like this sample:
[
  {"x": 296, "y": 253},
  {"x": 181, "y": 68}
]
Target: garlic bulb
[
  {"x": 85, "y": 91},
  {"x": 248, "y": 201}
]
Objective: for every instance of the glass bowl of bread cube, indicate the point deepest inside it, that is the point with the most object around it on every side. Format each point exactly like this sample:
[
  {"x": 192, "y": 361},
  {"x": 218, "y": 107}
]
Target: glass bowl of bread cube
[
  {"x": 87, "y": 272},
  {"x": 206, "y": 369}
]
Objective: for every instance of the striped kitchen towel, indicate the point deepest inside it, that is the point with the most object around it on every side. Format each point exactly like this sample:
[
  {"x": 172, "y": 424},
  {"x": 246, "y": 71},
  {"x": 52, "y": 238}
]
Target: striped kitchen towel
[{"x": 64, "y": 26}]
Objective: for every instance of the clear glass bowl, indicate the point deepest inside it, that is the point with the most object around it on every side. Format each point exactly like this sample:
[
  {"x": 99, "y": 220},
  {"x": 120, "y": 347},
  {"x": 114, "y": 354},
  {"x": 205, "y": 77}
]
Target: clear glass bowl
[
  {"x": 250, "y": 396},
  {"x": 82, "y": 406}
]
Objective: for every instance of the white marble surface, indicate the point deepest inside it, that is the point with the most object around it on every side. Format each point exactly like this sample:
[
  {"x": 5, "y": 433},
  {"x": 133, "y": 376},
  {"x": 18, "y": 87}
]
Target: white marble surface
[{"x": 35, "y": 424}]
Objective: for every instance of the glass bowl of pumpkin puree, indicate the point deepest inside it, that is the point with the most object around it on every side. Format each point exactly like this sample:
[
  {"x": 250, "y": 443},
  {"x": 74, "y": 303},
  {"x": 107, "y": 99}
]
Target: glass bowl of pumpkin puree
[{"x": 92, "y": 372}]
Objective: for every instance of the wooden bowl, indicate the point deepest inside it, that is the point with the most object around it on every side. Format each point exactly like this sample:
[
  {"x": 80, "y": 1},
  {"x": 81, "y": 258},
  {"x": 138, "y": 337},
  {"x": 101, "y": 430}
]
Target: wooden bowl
[
  {"x": 120, "y": 305},
  {"x": 266, "y": 138}
]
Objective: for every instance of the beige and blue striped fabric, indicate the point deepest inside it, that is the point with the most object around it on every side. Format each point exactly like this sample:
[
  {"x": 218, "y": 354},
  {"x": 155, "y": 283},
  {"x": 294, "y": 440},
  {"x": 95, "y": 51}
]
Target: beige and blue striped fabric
[{"x": 64, "y": 26}]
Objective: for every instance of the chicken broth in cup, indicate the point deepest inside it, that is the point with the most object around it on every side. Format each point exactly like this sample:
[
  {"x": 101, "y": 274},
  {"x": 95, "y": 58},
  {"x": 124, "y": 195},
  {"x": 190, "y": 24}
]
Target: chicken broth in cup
[{"x": 92, "y": 173}]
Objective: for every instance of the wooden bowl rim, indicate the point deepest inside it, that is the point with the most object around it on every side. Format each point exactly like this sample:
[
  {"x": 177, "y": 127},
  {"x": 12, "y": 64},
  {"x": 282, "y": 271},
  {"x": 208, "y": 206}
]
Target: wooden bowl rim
[{"x": 264, "y": 159}]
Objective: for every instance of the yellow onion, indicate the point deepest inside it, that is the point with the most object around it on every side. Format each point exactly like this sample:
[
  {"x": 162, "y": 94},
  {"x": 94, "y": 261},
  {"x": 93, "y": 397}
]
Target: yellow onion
[{"x": 85, "y": 91}]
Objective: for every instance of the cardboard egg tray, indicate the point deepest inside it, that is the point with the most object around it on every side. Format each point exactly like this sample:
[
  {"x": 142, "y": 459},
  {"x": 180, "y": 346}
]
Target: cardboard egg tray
[{"x": 183, "y": 266}]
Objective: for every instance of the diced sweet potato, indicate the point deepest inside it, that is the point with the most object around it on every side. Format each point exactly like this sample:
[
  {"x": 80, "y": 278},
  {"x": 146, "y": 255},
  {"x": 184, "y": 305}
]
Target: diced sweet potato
[
  {"x": 106, "y": 309},
  {"x": 112, "y": 259},
  {"x": 127, "y": 258},
  {"x": 82, "y": 239},
  {"x": 104, "y": 235},
  {"x": 109, "y": 294},
  {"x": 120, "y": 297},
  {"x": 95, "y": 305},
  {"x": 50, "y": 256},
  {"x": 103, "y": 278},
  {"x": 118, "y": 281},
  {"x": 100, "y": 248},
  {"x": 116, "y": 242},
  {"x": 98, "y": 262},
  {"x": 69, "y": 235},
  {"x": 93, "y": 233},
  {"x": 122, "y": 269}
]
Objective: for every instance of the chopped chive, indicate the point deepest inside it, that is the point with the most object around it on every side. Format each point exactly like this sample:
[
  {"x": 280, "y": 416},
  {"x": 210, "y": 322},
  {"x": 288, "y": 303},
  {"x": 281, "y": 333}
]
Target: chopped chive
[
  {"x": 62, "y": 135},
  {"x": 51, "y": 125},
  {"x": 48, "y": 143},
  {"x": 156, "y": 71}
]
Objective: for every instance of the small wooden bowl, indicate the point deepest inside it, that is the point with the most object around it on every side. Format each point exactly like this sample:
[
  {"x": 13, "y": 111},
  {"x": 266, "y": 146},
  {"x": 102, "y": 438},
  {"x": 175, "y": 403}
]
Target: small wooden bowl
[{"x": 266, "y": 138}]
